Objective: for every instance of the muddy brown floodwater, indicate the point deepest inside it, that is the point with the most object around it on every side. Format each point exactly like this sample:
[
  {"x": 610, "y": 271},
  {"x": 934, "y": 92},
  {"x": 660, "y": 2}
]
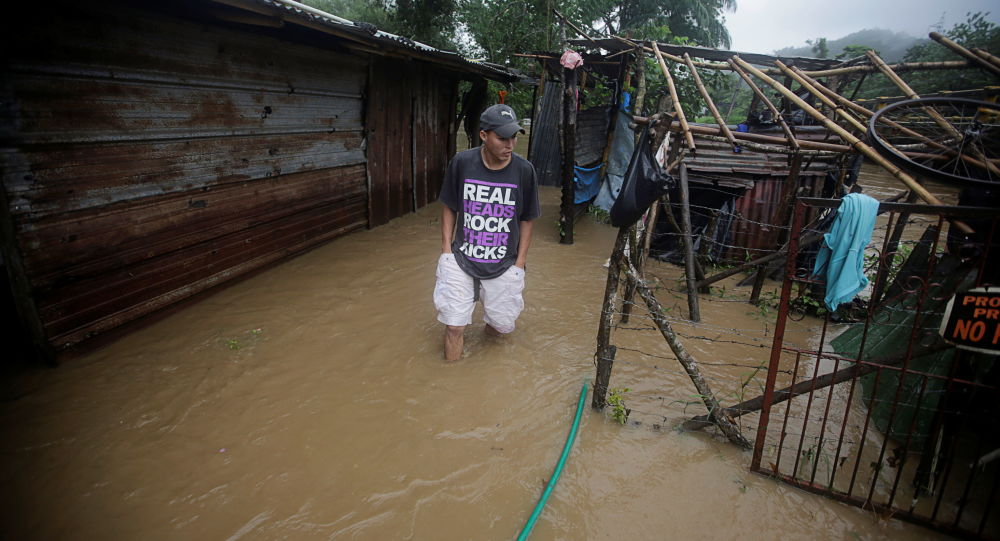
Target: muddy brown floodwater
[{"x": 311, "y": 402}]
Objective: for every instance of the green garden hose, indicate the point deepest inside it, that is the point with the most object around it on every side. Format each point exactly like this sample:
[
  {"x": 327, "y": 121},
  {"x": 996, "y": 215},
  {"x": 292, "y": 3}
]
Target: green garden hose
[{"x": 526, "y": 531}]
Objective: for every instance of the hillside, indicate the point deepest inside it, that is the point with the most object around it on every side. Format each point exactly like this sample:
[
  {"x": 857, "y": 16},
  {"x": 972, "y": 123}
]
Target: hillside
[{"x": 890, "y": 45}]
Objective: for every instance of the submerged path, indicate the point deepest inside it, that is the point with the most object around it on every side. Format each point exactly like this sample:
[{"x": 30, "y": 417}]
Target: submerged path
[{"x": 311, "y": 402}]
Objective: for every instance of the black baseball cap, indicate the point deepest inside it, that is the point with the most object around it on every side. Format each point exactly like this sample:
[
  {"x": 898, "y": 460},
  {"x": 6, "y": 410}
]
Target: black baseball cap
[{"x": 501, "y": 119}]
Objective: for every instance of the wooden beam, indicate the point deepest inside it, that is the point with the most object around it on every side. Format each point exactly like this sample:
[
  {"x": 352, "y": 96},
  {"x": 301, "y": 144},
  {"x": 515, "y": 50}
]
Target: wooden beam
[
  {"x": 694, "y": 309},
  {"x": 567, "y": 214}
]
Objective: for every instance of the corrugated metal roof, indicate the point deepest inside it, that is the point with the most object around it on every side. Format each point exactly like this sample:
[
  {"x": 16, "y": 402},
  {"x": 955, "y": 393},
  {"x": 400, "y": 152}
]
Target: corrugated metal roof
[
  {"x": 363, "y": 33},
  {"x": 715, "y": 161}
]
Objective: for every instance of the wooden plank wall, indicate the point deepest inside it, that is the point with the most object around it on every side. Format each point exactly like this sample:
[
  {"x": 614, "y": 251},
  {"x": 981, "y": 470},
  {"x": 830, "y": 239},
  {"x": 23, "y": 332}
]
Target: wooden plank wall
[
  {"x": 408, "y": 123},
  {"x": 146, "y": 158}
]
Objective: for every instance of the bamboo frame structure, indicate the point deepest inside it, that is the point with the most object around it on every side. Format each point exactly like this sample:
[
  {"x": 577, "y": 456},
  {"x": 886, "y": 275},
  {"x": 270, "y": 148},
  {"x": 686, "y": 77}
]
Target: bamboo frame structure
[
  {"x": 835, "y": 107},
  {"x": 708, "y": 101},
  {"x": 965, "y": 53},
  {"x": 933, "y": 113},
  {"x": 676, "y": 100},
  {"x": 759, "y": 138},
  {"x": 985, "y": 55},
  {"x": 903, "y": 129},
  {"x": 859, "y": 145},
  {"x": 770, "y": 106}
]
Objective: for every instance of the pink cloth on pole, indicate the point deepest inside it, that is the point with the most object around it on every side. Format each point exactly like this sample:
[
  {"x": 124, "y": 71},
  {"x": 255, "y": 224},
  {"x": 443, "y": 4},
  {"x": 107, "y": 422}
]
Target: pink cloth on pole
[{"x": 571, "y": 59}]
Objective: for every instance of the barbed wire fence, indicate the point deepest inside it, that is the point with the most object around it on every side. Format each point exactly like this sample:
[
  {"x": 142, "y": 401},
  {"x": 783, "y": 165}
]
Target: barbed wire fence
[{"x": 638, "y": 357}]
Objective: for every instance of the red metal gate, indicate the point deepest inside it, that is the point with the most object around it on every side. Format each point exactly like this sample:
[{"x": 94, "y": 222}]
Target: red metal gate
[{"x": 877, "y": 410}]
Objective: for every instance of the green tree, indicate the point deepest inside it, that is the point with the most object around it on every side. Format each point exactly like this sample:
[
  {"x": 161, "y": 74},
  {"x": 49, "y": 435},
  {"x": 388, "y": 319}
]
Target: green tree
[
  {"x": 819, "y": 47},
  {"x": 426, "y": 21}
]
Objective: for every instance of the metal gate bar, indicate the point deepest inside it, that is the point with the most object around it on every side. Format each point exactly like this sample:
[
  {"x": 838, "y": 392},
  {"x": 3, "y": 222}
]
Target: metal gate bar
[{"x": 912, "y": 403}]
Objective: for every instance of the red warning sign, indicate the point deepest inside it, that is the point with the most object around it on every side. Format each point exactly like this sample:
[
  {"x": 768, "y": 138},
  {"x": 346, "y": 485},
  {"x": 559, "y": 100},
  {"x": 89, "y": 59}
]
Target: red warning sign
[{"x": 972, "y": 320}]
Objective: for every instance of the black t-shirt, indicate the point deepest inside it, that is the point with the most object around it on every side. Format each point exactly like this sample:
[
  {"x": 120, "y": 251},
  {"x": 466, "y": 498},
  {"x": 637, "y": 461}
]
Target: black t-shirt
[{"x": 489, "y": 206}]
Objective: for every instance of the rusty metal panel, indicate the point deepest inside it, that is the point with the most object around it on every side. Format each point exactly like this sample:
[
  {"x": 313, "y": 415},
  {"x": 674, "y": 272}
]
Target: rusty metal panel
[
  {"x": 146, "y": 157},
  {"x": 880, "y": 410}
]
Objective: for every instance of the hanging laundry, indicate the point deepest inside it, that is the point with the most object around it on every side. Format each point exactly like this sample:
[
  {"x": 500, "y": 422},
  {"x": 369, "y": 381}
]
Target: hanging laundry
[
  {"x": 571, "y": 59},
  {"x": 841, "y": 257}
]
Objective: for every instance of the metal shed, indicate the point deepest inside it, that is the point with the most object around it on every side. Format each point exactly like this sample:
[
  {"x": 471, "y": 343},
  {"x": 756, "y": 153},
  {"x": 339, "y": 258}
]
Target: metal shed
[{"x": 151, "y": 150}]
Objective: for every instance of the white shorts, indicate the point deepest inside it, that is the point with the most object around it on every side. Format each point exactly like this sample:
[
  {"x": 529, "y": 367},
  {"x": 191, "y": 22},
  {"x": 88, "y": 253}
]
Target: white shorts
[{"x": 454, "y": 296}]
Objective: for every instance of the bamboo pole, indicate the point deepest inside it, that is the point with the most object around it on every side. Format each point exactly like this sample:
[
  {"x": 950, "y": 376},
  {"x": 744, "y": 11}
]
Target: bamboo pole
[
  {"x": 903, "y": 66},
  {"x": 868, "y": 114},
  {"x": 901, "y": 84},
  {"x": 856, "y": 143},
  {"x": 758, "y": 138},
  {"x": 985, "y": 55},
  {"x": 835, "y": 107},
  {"x": 963, "y": 52},
  {"x": 770, "y": 106},
  {"x": 676, "y": 100},
  {"x": 715, "y": 412},
  {"x": 933, "y": 113},
  {"x": 574, "y": 27},
  {"x": 708, "y": 101},
  {"x": 767, "y": 148},
  {"x": 906, "y": 66}
]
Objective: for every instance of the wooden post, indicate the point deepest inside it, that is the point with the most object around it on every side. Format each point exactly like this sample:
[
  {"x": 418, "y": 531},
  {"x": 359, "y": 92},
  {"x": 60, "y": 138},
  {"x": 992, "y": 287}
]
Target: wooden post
[
  {"x": 640, "y": 85},
  {"x": 567, "y": 210},
  {"x": 962, "y": 51},
  {"x": 604, "y": 357},
  {"x": 676, "y": 100},
  {"x": 640, "y": 248},
  {"x": 692, "y": 288},
  {"x": 708, "y": 101},
  {"x": 723, "y": 421},
  {"x": 758, "y": 285}
]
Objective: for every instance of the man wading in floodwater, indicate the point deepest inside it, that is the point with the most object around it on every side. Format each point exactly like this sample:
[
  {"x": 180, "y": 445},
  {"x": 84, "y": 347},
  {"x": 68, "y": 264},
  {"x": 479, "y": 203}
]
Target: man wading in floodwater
[{"x": 491, "y": 194}]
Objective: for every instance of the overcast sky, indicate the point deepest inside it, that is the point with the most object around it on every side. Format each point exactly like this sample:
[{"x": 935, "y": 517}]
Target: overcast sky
[{"x": 762, "y": 26}]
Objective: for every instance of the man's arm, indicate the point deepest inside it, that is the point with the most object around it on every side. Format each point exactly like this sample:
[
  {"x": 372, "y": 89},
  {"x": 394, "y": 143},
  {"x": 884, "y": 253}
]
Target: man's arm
[
  {"x": 447, "y": 228},
  {"x": 523, "y": 243}
]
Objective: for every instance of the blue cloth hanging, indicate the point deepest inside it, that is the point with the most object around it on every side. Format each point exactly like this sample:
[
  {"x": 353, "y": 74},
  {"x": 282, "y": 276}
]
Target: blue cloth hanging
[
  {"x": 587, "y": 183},
  {"x": 841, "y": 258}
]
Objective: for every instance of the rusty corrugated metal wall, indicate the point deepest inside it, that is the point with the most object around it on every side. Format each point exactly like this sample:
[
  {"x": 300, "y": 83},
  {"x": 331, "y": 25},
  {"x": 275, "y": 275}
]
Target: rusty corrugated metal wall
[
  {"x": 409, "y": 139},
  {"x": 147, "y": 158}
]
